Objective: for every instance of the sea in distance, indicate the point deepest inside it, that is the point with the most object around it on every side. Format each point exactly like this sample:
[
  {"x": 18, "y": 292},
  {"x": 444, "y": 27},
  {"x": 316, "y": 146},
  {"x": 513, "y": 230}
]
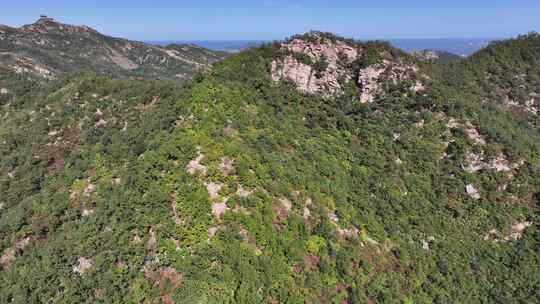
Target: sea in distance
[{"x": 459, "y": 46}]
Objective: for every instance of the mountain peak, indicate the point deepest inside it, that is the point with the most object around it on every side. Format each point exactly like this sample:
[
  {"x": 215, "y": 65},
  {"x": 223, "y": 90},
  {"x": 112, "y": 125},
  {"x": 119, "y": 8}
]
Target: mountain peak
[
  {"x": 320, "y": 36},
  {"x": 323, "y": 63},
  {"x": 45, "y": 24},
  {"x": 45, "y": 19},
  {"x": 48, "y": 48}
]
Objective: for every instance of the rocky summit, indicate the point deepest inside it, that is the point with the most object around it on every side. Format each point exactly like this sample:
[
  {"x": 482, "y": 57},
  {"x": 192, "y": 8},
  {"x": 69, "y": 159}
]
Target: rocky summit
[
  {"x": 322, "y": 63},
  {"x": 48, "y": 49}
]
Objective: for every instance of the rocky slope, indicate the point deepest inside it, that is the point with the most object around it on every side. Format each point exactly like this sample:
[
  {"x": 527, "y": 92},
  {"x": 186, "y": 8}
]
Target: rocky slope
[
  {"x": 510, "y": 76},
  {"x": 322, "y": 63},
  {"x": 48, "y": 49}
]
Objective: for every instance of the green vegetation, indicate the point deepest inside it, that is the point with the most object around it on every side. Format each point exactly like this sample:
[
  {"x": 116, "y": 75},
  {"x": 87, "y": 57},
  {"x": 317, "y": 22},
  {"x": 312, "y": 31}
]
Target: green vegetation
[
  {"x": 325, "y": 203},
  {"x": 320, "y": 66}
]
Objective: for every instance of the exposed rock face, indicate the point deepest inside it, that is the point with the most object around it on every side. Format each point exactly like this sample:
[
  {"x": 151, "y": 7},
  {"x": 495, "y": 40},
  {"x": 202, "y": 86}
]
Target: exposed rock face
[
  {"x": 318, "y": 64},
  {"x": 528, "y": 106},
  {"x": 320, "y": 47},
  {"x": 368, "y": 80},
  {"x": 320, "y": 50},
  {"x": 532, "y": 105},
  {"x": 226, "y": 166},
  {"x": 468, "y": 128},
  {"x": 306, "y": 212},
  {"x": 213, "y": 189},
  {"x": 347, "y": 233},
  {"x": 286, "y": 203},
  {"x": 82, "y": 266},
  {"x": 472, "y": 192},
  {"x": 520, "y": 95},
  {"x": 195, "y": 166},
  {"x": 219, "y": 208},
  {"x": 90, "y": 188},
  {"x": 121, "y": 60},
  {"x": 48, "y": 49},
  {"x": 515, "y": 233},
  {"x": 243, "y": 192},
  {"x": 477, "y": 162},
  {"x": 213, "y": 230},
  {"x": 10, "y": 253},
  {"x": 299, "y": 73},
  {"x": 87, "y": 212},
  {"x": 394, "y": 72}
]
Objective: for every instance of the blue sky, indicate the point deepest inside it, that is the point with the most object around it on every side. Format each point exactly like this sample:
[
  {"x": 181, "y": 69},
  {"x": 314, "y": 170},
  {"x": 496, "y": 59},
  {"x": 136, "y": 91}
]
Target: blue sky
[{"x": 275, "y": 19}]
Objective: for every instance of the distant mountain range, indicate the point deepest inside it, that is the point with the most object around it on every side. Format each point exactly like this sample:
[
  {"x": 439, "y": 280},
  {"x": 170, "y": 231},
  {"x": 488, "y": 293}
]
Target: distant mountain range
[
  {"x": 48, "y": 48},
  {"x": 435, "y": 56},
  {"x": 230, "y": 46},
  {"x": 459, "y": 46}
]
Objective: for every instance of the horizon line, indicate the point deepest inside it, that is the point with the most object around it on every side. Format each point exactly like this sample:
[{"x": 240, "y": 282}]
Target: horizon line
[
  {"x": 134, "y": 38},
  {"x": 281, "y": 39}
]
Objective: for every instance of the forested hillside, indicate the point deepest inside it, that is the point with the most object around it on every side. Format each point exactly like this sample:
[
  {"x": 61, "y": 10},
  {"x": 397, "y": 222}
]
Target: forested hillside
[{"x": 317, "y": 170}]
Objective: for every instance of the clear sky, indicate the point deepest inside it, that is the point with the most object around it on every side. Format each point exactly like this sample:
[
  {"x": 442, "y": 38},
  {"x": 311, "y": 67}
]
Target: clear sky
[{"x": 275, "y": 19}]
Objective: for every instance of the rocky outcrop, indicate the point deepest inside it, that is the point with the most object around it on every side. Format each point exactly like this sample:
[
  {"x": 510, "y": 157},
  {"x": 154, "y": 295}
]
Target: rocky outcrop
[
  {"x": 82, "y": 266},
  {"x": 394, "y": 72},
  {"x": 10, "y": 253},
  {"x": 469, "y": 129},
  {"x": 332, "y": 56},
  {"x": 299, "y": 73},
  {"x": 368, "y": 81},
  {"x": 321, "y": 64},
  {"x": 529, "y": 106},
  {"x": 515, "y": 233},
  {"x": 477, "y": 162},
  {"x": 472, "y": 192},
  {"x": 226, "y": 166},
  {"x": 195, "y": 166}
]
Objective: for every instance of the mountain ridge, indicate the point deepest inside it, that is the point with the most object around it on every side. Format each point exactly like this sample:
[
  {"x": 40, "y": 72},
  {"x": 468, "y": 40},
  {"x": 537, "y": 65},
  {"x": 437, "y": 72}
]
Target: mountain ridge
[
  {"x": 436, "y": 56},
  {"x": 48, "y": 48}
]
